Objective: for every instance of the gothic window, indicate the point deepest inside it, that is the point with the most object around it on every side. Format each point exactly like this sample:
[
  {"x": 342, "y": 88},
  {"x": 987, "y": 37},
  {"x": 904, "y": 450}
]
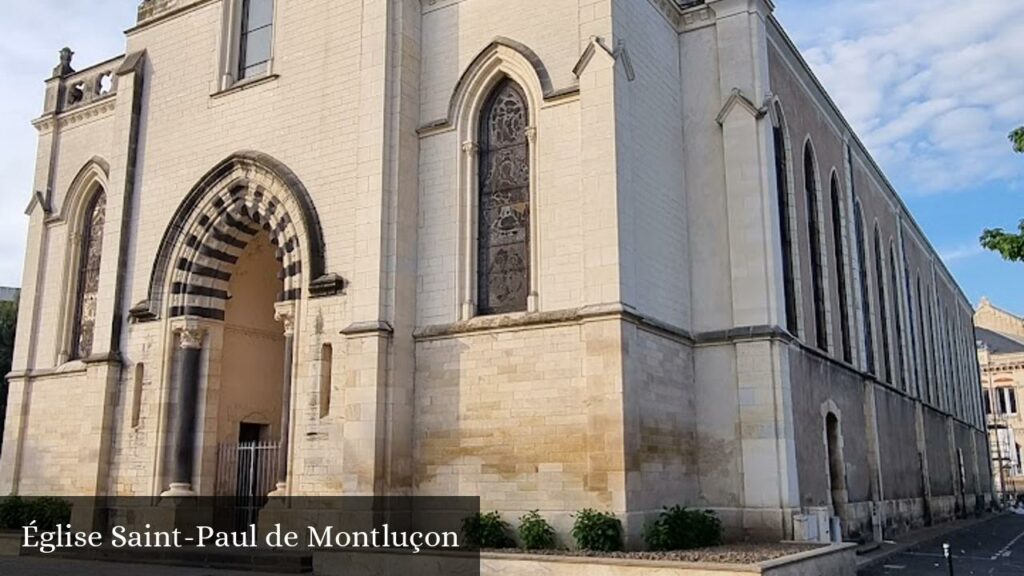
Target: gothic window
[
  {"x": 897, "y": 319},
  {"x": 503, "y": 251},
  {"x": 257, "y": 29},
  {"x": 883, "y": 309},
  {"x": 840, "y": 255},
  {"x": 785, "y": 230},
  {"x": 869, "y": 347},
  {"x": 814, "y": 232},
  {"x": 925, "y": 362},
  {"x": 87, "y": 285}
]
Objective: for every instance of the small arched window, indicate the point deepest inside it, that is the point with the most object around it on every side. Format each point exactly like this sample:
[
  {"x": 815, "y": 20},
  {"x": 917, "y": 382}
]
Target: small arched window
[
  {"x": 862, "y": 257},
  {"x": 785, "y": 223},
  {"x": 87, "y": 283},
  {"x": 814, "y": 233},
  {"x": 503, "y": 250},
  {"x": 840, "y": 256},
  {"x": 883, "y": 309}
]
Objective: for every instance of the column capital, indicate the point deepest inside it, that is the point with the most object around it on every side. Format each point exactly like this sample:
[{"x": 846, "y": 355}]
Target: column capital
[
  {"x": 284, "y": 312},
  {"x": 470, "y": 148},
  {"x": 190, "y": 334}
]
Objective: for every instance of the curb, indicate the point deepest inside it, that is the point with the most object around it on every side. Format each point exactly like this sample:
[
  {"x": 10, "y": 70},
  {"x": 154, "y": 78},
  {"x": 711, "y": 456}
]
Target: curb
[{"x": 873, "y": 559}]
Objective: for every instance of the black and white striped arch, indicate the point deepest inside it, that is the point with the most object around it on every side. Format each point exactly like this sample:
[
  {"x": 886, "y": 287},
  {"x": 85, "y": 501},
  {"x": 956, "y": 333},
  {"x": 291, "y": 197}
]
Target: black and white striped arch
[{"x": 247, "y": 194}]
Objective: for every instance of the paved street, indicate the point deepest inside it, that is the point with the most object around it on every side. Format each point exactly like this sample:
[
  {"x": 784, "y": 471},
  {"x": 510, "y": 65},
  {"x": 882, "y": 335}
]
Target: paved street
[{"x": 993, "y": 548}]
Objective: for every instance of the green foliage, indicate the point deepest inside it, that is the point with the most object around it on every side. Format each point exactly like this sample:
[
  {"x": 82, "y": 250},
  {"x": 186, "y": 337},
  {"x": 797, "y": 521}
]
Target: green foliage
[
  {"x": 535, "y": 532},
  {"x": 47, "y": 512},
  {"x": 487, "y": 531},
  {"x": 1017, "y": 138},
  {"x": 1008, "y": 244},
  {"x": 678, "y": 528},
  {"x": 8, "y": 324},
  {"x": 598, "y": 531}
]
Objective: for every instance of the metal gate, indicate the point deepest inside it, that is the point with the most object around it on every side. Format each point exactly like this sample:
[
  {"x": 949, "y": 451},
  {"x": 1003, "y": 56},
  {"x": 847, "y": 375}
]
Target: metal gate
[{"x": 246, "y": 474}]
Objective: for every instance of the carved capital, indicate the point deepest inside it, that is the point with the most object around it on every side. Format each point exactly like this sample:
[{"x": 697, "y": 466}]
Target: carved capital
[
  {"x": 531, "y": 134},
  {"x": 470, "y": 148},
  {"x": 190, "y": 335},
  {"x": 284, "y": 312}
]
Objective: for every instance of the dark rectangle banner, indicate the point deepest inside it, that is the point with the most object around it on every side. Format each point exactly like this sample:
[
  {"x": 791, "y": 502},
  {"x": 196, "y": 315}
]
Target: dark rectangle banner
[{"x": 349, "y": 535}]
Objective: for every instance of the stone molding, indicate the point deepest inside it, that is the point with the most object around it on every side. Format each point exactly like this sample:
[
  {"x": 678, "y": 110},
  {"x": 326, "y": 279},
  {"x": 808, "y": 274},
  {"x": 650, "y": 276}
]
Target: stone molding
[
  {"x": 190, "y": 332},
  {"x": 284, "y": 312},
  {"x": 369, "y": 328}
]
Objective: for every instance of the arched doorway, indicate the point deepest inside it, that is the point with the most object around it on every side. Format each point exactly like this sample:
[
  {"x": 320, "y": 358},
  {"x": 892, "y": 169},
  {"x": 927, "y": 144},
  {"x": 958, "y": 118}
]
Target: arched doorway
[
  {"x": 836, "y": 468},
  {"x": 249, "y": 403},
  {"x": 241, "y": 252}
]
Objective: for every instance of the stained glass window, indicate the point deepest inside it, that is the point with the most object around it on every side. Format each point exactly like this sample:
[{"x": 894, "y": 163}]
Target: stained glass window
[
  {"x": 88, "y": 277},
  {"x": 785, "y": 231},
  {"x": 840, "y": 256},
  {"x": 814, "y": 233},
  {"x": 503, "y": 267},
  {"x": 883, "y": 309}
]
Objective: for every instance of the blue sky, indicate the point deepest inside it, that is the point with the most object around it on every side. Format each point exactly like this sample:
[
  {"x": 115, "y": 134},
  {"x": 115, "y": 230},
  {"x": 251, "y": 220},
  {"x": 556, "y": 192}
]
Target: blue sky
[{"x": 931, "y": 87}]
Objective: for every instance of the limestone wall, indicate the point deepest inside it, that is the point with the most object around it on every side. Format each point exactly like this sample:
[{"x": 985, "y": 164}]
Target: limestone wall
[{"x": 526, "y": 419}]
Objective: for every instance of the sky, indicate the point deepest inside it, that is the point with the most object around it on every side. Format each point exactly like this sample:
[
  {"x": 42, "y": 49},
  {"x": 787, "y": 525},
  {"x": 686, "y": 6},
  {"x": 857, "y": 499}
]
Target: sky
[{"x": 932, "y": 88}]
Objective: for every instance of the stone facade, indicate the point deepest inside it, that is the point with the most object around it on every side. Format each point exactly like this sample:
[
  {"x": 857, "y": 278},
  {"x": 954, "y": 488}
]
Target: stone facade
[
  {"x": 653, "y": 363},
  {"x": 1000, "y": 337}
]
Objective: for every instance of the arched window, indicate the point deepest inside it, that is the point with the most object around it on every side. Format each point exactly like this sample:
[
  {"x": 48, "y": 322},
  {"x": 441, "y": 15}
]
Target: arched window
[
  {"x": 862, "y": 257},
  {"x": 840, "y": 255},
  {"x": 503, "y": 250},
  {"x": 87, "y": 284},
  {"x": 785, "y": 224},
  {"x": 814, "y": 234},
  {"x": 883, "y": 309},
  {"x": 925, "y": 374},
  {"x": 897, "y": 319}
]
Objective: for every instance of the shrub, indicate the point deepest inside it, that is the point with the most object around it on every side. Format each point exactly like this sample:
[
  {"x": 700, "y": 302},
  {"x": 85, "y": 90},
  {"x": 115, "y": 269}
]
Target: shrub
[
  {"x": 535, "y": 532},
  {"x": 678, "y": 528},
  {"x": 487, "y": 531},
  {"x": 598, "y": 531},
  {"x": 12, "y": 513},
  {"x": 16, "y": 512}
]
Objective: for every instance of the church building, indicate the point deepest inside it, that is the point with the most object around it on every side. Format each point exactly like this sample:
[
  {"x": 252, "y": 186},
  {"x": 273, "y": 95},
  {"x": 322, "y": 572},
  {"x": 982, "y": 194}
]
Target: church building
[{"x": 559, "y": 254}]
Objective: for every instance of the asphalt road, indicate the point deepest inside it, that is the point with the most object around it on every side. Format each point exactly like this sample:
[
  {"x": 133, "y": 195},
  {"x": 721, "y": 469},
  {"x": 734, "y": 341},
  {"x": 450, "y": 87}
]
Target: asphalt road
[{"x": 993, "y": 548}]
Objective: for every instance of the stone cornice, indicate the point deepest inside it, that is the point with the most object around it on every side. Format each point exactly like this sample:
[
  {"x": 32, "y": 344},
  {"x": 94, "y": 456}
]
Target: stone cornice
[{"x": 77, "y": 117}]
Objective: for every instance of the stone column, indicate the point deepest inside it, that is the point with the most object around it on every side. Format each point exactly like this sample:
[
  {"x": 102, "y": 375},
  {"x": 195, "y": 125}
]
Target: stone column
[
  {"x": 186, "y": 384},
  {"x": 284, "y": 312}
]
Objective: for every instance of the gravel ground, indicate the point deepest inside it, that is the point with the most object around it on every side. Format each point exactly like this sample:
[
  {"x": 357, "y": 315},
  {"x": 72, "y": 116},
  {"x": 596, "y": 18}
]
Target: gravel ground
[{"x": 729, "y": 554}]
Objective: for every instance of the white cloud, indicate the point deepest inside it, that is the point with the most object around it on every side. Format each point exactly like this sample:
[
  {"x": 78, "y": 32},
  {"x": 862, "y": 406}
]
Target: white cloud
[
  {"x": 931, "y": 89},
  {"x": 959, "y": 253}
]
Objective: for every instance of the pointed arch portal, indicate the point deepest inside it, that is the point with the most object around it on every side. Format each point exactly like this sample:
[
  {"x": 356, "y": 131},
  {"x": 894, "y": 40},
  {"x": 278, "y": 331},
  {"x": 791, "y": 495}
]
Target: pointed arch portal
[{"x": 246, "y": 194}]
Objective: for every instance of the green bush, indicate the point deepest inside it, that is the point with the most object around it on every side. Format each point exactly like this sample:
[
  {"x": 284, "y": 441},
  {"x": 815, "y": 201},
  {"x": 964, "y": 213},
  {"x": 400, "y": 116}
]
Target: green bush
[
  {"x": 598, "y": 531},
  {"x": 487, "y": 531},
  {"x": 678, "y": 528},
  {"x": 16, "y": 512},
  {"x": 535, "y": 532}
]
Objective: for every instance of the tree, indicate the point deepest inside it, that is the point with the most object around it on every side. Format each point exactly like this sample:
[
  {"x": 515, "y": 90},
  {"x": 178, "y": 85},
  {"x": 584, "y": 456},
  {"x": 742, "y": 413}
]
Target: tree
[
  {"x": 8, "y": 324},
  {"x": 1010, "y": 245}
]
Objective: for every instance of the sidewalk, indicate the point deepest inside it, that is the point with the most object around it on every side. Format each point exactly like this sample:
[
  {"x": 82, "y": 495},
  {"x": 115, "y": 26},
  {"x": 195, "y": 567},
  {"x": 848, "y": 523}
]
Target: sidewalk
[{"x": 911, "y": 539}]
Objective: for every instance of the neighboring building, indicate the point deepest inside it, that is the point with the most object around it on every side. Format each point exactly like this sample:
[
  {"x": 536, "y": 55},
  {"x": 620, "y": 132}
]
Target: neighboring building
[
  {"x": 562, "y": 254},
  {"x": 9, "y": 294},
  {"x": 1000, "y": 338}
]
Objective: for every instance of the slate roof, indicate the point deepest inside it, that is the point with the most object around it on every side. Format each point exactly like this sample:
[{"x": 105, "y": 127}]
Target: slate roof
[{"x": 997, "y": 342}]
